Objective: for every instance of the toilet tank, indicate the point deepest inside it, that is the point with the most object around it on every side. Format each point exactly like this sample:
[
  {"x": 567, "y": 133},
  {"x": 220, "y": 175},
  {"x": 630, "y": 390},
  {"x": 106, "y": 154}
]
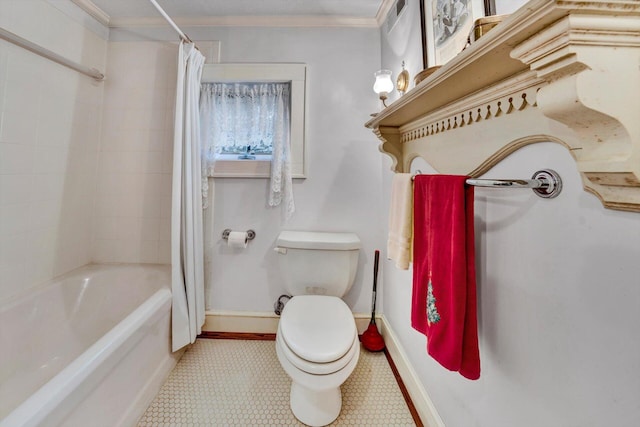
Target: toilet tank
[{"x": 317, "y": 263}]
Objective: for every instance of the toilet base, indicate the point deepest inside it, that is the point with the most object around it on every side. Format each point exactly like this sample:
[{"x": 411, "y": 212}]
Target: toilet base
[{"x": 315, "y": 407}]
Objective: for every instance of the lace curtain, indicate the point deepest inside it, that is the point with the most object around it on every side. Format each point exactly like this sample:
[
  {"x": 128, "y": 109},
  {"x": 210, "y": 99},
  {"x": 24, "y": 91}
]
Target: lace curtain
[{"x": 254, "y": 114}]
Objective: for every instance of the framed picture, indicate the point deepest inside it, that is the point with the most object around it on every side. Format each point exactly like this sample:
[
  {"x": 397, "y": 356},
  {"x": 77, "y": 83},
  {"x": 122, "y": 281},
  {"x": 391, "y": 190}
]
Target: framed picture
[{"x": 446, "y": 25}]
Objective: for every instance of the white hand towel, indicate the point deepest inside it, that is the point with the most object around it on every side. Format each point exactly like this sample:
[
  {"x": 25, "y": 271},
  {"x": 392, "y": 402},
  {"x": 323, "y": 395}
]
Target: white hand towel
[{"x": 401, "y": 220}]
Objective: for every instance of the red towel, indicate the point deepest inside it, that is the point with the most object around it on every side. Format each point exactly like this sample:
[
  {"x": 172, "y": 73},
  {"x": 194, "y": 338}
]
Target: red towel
[{"x": 444, "y": 279}]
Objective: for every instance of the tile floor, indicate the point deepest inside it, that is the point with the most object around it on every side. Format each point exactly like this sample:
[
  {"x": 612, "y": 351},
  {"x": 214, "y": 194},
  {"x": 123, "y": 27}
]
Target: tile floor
[{"x": 240, "y": 383}]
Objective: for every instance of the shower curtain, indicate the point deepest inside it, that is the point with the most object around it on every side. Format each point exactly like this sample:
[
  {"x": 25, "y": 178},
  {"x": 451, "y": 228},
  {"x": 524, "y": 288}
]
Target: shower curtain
[{"x": 187, "y": 258}]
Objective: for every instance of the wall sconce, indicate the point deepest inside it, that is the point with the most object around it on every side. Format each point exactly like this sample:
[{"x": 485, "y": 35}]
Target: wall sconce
[
  {"x": 383, "y": 84},
  {"x": 402, "y": 82}
]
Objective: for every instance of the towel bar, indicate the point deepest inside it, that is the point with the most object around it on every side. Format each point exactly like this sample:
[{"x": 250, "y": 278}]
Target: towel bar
[{"x": 545, "y": 183}]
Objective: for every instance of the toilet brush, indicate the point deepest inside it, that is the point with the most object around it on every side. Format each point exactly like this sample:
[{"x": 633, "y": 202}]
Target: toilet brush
[{"x": 371, "y": 338}]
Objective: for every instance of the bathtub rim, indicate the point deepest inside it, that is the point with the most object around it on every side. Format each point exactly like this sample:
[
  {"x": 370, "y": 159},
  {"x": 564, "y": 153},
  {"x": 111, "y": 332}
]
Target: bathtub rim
[{"x": 47, "y": 402}]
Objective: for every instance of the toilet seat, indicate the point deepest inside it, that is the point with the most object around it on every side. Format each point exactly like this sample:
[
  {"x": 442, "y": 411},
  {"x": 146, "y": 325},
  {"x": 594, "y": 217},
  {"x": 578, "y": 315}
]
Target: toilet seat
[
  {"x": 318, "y": 328},
  {"x": 313, "y": 367},
  {"x": 318, "y": 333}
]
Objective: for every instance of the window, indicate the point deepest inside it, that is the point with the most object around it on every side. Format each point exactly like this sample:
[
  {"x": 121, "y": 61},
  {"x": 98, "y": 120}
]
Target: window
[
  {"x": 247, "y": 95},
  {"x": 244, "y": 117}
]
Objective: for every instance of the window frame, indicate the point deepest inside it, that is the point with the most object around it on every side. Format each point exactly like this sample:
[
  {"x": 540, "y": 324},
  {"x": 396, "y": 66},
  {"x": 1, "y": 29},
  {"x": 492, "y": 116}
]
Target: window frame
[{"x": 268, "y": 72}]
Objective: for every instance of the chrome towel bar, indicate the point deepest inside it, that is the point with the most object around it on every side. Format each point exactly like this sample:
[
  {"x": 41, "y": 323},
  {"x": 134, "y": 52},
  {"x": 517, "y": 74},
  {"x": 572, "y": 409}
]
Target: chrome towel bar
[{"x": 545, "y": 183}]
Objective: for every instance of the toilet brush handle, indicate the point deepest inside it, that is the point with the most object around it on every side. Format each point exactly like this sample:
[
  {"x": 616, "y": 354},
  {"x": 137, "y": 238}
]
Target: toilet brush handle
[{"x": 376, "y": 260}]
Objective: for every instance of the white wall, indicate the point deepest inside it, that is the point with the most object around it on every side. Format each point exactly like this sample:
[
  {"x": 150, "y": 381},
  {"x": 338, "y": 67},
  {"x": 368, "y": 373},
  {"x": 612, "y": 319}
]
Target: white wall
[
  {"x": 133, "y": 195},
  {"x": 343, "y": 165},
  {"x": 558, "y": 302},
  {"x": 49, "y": 136},
  {"x": 403, "y": 43},
  {"x": 508, "y": 6},
  {"x": 341, "y": 191}
]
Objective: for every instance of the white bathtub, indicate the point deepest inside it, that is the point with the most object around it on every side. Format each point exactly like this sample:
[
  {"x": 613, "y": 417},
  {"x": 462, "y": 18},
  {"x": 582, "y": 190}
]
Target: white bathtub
[{"x": 91, "y": 348}]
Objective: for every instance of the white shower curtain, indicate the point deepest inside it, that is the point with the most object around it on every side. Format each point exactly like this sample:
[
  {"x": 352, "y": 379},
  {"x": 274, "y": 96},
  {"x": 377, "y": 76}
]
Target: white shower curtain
[{"x": 187, "y": 258}]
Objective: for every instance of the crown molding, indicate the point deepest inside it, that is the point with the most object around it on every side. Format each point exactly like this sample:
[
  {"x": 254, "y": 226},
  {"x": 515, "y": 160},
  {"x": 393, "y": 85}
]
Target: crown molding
[
  {"x": 239, "y": 21},
  {"x": 93, "y": 10},
  {"x": 248, "y": 21},
  {"x": 385, "y": 7}
]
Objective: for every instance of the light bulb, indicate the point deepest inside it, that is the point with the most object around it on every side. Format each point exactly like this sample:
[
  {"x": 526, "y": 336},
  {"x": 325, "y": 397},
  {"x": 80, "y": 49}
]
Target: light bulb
[{"x": 383, "y": 83}]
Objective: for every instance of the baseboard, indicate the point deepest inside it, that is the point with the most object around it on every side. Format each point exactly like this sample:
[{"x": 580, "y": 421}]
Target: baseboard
[
  {"x": 418, "y": 394},
  {"x": 241, "y": 321},
  {"x": 262, "y": 322}
]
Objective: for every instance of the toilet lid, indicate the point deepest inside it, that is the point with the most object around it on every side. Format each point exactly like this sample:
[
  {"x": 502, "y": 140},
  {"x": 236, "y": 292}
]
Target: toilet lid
[
  {"x": 317, "y": 368},
  {"x": 318, "y": 328}
]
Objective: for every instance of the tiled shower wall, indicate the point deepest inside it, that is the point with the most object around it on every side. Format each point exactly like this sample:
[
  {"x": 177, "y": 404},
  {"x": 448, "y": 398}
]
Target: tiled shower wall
[
  {"x": 49, "y": 139},
  {"x": 133, "y": 198}
]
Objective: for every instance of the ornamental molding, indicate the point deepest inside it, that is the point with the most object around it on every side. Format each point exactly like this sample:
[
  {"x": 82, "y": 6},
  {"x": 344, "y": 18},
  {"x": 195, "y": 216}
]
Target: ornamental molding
[
  {"x": 564, "y": 71},
  {"x": 490, "y": 104}
]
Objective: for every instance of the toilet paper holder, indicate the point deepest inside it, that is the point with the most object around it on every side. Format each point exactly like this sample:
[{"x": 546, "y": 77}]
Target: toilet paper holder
[{"x": 250, "y": 234}]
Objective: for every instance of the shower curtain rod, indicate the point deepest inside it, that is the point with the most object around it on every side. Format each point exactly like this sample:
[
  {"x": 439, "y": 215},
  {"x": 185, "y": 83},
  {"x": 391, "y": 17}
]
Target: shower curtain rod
[
  {"x": 46, "y": 53},
  {"x": 182, "y": 35}
]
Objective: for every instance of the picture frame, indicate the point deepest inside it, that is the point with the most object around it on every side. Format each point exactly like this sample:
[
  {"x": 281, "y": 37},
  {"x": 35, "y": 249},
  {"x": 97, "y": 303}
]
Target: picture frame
[{"x": 446, "y": 25}]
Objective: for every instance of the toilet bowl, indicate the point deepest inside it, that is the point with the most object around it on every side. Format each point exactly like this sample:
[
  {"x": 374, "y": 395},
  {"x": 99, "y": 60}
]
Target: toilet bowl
[
  {"x": 317, "y": 345},
  {"x": 317, "y": 340}
]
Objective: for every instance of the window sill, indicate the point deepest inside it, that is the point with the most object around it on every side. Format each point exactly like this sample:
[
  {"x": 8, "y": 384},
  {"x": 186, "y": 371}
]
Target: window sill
[{"x": 232, "y": 167}]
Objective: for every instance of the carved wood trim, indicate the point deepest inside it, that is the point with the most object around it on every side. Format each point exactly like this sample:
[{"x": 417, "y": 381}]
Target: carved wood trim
[
  {"x": 555, "y": 70},
  {"x": 510, "y": 104}
]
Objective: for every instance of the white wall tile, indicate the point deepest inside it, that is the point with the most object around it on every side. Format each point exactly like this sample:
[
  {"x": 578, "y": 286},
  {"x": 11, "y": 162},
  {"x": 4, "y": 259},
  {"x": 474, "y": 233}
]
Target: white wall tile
[
  {"x": 14, "y": 250},
  {"x": 150, "y": 228},
  {"x": 14, "y": 219},
  {"x": 5, "y": 13},
  {"x": 104, "y": 250},
  {"x": 18, "y": 128},
  {"x": 153, "y": 163},
  {"x": 148, "y": 251},
  {"x": 105, "y": 227},
  {"x": 50, "y": 160},
  {"x": 15, "y": 188},
  {"x": 156, "y": 184},
  {"x": 165, "y": 207},
  {"x": 164, "y": 232},
  {"x": 49, "y": 137},
  {"x": 46, "y": 213},
  {"x": 27, "y": 20},
  {"x": 150, "y": 206},
  {"x": 164, "y": 252},
  {"x": 15, "y": 158},
  {"x": 47, "y": 187},
  {"x": 14, "y": 280},
  {"x": 55, "y": 130},
  {"x": 133, "y": 164},
  {"x": 129, "y": 228},
  {"x": 23, "y": 81},
  {"x": 4, "y": 60}
]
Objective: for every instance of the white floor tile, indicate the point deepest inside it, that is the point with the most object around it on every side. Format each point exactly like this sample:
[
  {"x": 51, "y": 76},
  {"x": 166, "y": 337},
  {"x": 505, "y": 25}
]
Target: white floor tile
[{"x": 241, "y": 383}]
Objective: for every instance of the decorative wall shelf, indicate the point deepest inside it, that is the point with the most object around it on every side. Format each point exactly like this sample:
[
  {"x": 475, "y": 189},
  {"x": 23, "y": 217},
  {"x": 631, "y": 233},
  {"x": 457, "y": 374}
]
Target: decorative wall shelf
[{"x": 566, "y": 71}]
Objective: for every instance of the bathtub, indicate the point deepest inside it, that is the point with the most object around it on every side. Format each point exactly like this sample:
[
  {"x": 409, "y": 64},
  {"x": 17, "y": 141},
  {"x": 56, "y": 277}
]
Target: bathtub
[{"x": 91, "y": 348}]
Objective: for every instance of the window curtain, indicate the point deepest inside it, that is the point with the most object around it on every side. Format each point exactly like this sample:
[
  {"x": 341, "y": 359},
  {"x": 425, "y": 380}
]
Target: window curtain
[
  {"x": 187, "y": 258},
  {"x": 244, "y": 114}
]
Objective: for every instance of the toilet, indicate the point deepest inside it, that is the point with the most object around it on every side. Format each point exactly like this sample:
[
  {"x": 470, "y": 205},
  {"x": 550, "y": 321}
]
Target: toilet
[{"x": 317, "y": 340}]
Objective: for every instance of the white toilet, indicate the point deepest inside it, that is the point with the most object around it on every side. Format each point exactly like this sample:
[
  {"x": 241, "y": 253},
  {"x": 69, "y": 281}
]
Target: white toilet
[{"x": 317, "y": 340}]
